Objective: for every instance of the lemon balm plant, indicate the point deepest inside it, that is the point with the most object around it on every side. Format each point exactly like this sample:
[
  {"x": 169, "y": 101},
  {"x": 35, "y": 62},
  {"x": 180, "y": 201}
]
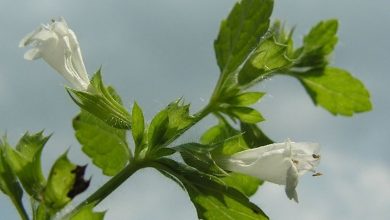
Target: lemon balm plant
[{"x": 230, "y": 161}]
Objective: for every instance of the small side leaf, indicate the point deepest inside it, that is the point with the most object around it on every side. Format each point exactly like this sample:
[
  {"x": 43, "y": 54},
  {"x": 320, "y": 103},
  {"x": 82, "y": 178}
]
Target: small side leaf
[
  {"x": 138, "y": 125},
  {"x": 157, "y": 129},
  {"x": 218, "y": 133},
  {"x": 269, "y": 57},
  {"x": 179, "y": 117},
  {"x": 25, "y": 161},
  {"x": 318, "y": 44},
  {"x": 231, "y": 146},
  {"x": 244, "y": 114},
  {"x": 199, "y": 156},
  {"x": 336, "y": 90},
  {"x": 245, "y": 99},
  {"x": 9, "y": 184},
  {"x": 253, "y": 136},
  {"x": 168, "y": 123}
]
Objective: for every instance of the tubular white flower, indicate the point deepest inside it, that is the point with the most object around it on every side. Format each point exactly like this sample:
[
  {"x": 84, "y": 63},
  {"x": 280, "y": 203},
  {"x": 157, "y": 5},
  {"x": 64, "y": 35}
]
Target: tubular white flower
[
  {"x": 280, "y": 163},
  {"x": 57, "y": 44}
]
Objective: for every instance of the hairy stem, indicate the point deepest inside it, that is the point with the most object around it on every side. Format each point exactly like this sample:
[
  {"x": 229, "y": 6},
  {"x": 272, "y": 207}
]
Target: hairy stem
[
  {"x": 109, "y": 186},
  {"x": 19, "y": 206}
]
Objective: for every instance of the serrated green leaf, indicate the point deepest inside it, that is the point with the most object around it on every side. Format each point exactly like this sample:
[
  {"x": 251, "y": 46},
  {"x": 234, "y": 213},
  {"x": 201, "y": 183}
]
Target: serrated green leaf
[
  {"x": 245, "y": 99},
  {"x": 240, "y": 32},
  {"x": 61, "y": 181},
  {"x": 168, "y": 123},
  {"x": 336, "y": 90},
  {"x": 138, "y": 128},
  {"x": 253, "y": 136},
  {"x": 318, "y": 43},
  {"x": 213, "y": 199},
  {"x": 157, "y": 129},
  {"x": 246, "y": 184},
  {"x": 102, "y": 102},
  {"x": 25, "y": 161},
  {"x": 105, "y": 145},
  {"x": 322, "y": 37},
  {"x": 179, "y": 117},
  {"x": 87, "y": 213},
  {"x": 199, "y": 156},
  {"x": 244, "y": 114},
  {"x": 9, "y": 184},
  {"x": 269, "y": 57}
]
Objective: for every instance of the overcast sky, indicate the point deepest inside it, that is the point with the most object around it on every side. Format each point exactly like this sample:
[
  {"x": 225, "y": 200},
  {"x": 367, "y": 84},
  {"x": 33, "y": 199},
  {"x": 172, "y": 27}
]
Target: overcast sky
[{"x": 156, "y": 51}]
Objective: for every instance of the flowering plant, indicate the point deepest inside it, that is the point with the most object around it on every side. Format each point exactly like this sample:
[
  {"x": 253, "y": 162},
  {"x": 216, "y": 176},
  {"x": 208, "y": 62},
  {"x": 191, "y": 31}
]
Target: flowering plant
[{"x": 231, "y": 160}]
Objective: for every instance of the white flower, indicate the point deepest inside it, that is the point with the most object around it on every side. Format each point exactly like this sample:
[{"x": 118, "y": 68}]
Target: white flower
[
  {"x": 58, "y": 46},
  {"x": 280, "y": 163}
]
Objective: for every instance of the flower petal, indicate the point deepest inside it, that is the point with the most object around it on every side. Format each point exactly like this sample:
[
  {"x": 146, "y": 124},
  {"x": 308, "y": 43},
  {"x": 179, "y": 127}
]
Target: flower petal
[
  {"x": 27, "y": 39},
  {"x": 306, "y": 147},
  {"x": 292, "y": 182},
  {"x": 33, "y": 54},
  {"x": 77, "y": 58},
  {"x": 270, "y": 166}
]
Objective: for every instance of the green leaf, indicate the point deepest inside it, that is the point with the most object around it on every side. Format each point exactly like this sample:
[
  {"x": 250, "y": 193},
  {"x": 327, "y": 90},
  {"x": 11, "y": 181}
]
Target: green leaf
[
  {"x": 240, "y": 32},
  {"x": 87, "y": 213},
  {"x": 231, "y": 146},
  {"x": 247, "y": 185},
  {"x": 218, "y": 133},
  {"x": 105, "y": 145},
  {"x": 322, "y": 37},
  {"x": 245, "y": 99},
  {"x": 179, "y": 117},
  {"x": 157, "y": 129},
  {"x": 138, "y": 128},
  {"x": 9, "y": 184},
  {"x": 269, "y": 57},
  {"x": 104, "y": 103},
  {"x": 318, "y": 43},
  {"x": 213, "y": 199},
  {"x": 168, "y": 123},
  {"x": 65, "y": 181},
  {"x": 336, "y": 90},
  {"x": 225, "y": 139},
  {"x": 244, "y": 114},
  {"x": 199, "y": 156},
  {"x": 25, "y": 161},
  {"x": 253, "y": 136}
]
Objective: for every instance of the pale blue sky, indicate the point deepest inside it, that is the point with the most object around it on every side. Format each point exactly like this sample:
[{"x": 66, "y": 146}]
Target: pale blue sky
[{"x": 156, "y": 51}]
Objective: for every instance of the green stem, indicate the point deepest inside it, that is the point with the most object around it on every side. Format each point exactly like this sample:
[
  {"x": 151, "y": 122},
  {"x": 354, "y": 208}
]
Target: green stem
[
  {"x": 19, "y": 206},
  {"x": 109, "y": 186},
  {"x": 217, "y": 89}
]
